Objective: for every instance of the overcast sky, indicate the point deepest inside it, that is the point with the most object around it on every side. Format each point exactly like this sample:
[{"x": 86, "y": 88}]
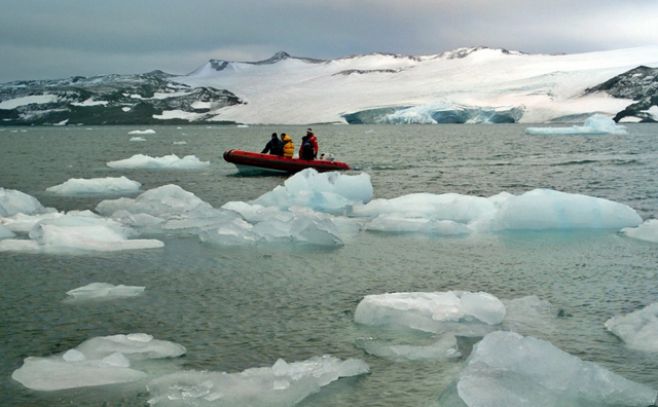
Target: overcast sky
[{"x": 59, "y": 38}]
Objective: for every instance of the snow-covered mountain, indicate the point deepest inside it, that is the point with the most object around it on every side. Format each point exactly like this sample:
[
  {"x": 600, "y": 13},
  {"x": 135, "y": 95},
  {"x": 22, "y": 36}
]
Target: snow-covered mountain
[{"x": 461, "y": 86}]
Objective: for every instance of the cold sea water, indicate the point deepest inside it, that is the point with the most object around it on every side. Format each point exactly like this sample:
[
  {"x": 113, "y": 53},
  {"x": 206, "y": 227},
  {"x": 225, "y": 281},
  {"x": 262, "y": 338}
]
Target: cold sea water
[{"x": 235, "y": 308}]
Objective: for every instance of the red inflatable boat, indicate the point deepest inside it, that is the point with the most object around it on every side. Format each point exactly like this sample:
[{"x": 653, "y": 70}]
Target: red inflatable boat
[{"x": 248, "y": 161}]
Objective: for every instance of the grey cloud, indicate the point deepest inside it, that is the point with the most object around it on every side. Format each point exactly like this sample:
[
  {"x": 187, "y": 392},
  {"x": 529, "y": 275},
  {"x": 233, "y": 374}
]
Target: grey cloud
[{"x": 83, "y": 36}]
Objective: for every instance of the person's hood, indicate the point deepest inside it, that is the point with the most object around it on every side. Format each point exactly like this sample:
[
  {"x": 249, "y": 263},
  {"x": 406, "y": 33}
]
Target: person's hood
[{"x": 286, "y": 138}]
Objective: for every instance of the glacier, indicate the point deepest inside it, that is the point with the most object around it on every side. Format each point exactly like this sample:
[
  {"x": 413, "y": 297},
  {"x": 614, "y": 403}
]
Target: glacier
[
  {"x": 638, "y": 330},
  {"x": 597, "y": 124},
  {"x": 507, "y": 369},
  {"x": 96, "y": 186},
  {"x": 281, "y": 385},
  {"x": 519, "y": 87},
  {"x": 95, "y": 362}
]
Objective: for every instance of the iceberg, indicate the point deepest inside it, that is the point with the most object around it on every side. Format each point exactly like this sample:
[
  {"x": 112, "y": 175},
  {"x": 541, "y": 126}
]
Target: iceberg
[
  {"x": 97, "y": 361},
  {"x": 542, "y": 209},
  {"x": 78, "y": 232},
  {"x": 282, "y": 385},
  {"x": 13, "y": 202},
  {"x": 597, "y": 124},
  {"x": 96, "y": 186},
  {"x": 326, "y": 192},
  {"x": 104, "y": 291},
  {"x": 445, "y": 348},
  {"x": 6, "y": 233},
  {"x": 137, "y": 138},
  {"x": 449, "y": 206},
  {"x": 456, "y": 214},
  {"x": 429, "y": 311},
  {"x": 397, "y": 224},
  {"x": 647, "y": 231},
  {"x": 507, "y": 369},
  {"x": 638, "y": 330},
  {"x": 167, "y": 162},
  {"x": 147, "y": 131}
]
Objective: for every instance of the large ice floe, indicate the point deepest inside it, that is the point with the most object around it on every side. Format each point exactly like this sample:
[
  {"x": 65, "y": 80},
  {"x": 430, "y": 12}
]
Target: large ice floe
[
  {"x": 597, "y": 124},
  {"x": 455, "y": 214},
  {"x": 96, "y": 186},
  {"x": 647, "y": 231},
  {"x": 454, "y": 318},
  {"x": 13, "y": 202},
  {"x": 49, "y": 231},
  {"x": 428, "y": 311},
  {"x": 96, "y": 291},
  {"x": 167, "y": 162},
  {"x": 97, "y": 361},
  {"x": 293, "y": 212},
  {"x": 325, "y": 209},
  {"x": 507, "y": 369},
  {"x": 284, "y": 384},
  {"x": 638, "y": 330}
]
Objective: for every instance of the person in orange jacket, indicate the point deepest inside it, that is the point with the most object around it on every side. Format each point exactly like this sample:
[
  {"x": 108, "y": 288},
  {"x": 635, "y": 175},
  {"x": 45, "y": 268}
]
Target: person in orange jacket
[{"x": 288, "y": 145}]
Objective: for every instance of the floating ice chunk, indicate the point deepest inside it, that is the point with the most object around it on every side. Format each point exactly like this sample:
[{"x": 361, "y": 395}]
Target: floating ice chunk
[
  {"x": 327, "y": 192},
  {"x": 13, "y": 202},
  {"x": 97, "y": 361},
  {"x": 180, "y": 143},
  {"x": 167, "y": 162},
  {"x": 450, "y": 206},
  {"x": 138, "y": 346},
  {"x": 235, "y": 233},
  {"x": 55, "y": 373},
  {"x": 507, "y": 369},
  {"x": 445, "y": 348},
  {"x": 594, "y": 125},
  {"x": 137, "y": 138},
  {"x": 638, "y": 330},
  {"x": 166, "y": 209},
  {"x": 541, "y": 209},
  {"x": 6, "y": 233},
  {"x": 104, "y": 290},
  {"x": 96, "y": 186},
  {"x": 647, "y": 231},
  {"x": 164, "y": 202},
  {"x": 77, "y": 232},
  {"x": 147, "y": 131},
  {"x": 393, "y": 223},
  {"x": 429, "y": 311},
  {"x": 284, "y": 384}
]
